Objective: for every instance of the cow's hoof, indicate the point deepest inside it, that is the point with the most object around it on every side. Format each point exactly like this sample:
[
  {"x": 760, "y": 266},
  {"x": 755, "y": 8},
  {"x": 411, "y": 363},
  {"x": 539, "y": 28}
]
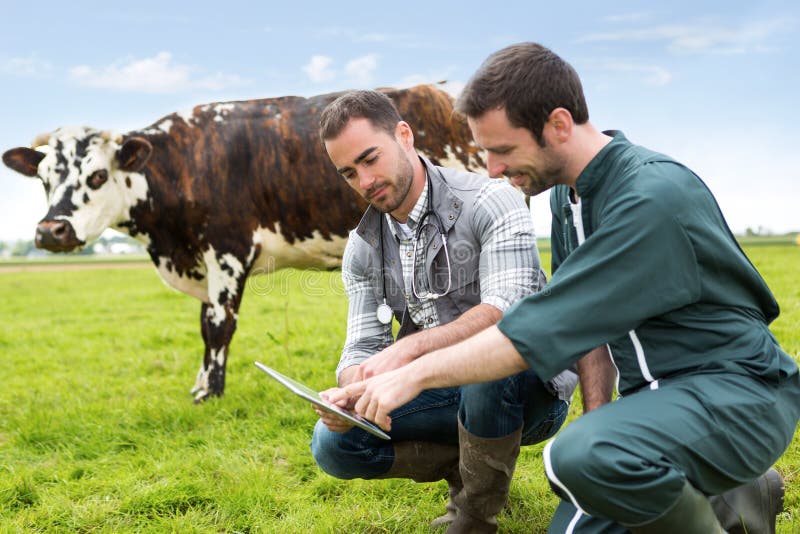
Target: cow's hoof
[{"x": 203, "y": 396}]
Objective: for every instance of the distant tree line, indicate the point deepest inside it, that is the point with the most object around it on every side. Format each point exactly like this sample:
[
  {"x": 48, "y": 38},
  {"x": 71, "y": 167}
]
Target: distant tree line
[
  {"x": 122, "y": 244},
  {"x": 117, "y": 244}
]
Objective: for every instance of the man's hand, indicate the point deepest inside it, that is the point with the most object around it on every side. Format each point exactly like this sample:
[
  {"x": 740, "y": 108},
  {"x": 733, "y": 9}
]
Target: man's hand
[
  {"x": 380, "y": 395},
  {"x": 330, "y": 419},
  {"x": 392, "y": 357},
  {"x": 484, "y": 357},
  {"x": 409, "y": 348}
]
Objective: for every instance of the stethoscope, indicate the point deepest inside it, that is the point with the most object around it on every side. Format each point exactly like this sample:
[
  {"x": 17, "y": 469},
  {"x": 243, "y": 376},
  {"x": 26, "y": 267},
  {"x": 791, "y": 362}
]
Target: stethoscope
[{"x": 384, "y": 311}]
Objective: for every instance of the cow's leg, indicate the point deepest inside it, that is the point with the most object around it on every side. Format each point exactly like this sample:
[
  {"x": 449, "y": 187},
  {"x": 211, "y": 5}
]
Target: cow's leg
[
  {"x": 218, "y": 323},
  {"x": 201, "y": 384},
  {"x": 226, "y": 280}
]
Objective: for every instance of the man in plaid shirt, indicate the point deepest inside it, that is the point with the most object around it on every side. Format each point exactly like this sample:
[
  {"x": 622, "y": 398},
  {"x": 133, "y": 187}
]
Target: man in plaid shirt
[{"x": 468, "y": 435}]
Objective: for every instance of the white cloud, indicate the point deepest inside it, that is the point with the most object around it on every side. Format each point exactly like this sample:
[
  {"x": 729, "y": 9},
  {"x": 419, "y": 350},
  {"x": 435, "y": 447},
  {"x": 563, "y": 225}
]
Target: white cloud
[
  {"x": 701, "y": 37},
  {"x": 357, "y": 71},
  {"x": 337, "y": 32},
  {"x": 626, "y": 17},
  {"x": 360, "y": 69},
  {"x": 318, "y": 69},
  {"x": 157, "y": 74},
  {"x": 372, "y": 38},
  {"x": 725, "y": 40},
  {"x": 653, "y": 75},
  {"x": 30, "y": 66}
]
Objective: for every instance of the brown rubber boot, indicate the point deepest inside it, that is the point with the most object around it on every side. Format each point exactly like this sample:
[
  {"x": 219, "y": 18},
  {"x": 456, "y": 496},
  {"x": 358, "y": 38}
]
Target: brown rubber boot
[
  {"x": 486, "y": 466},
  {"x": 454, "y": 486},
  {"x": 751, "y": 508},
  {"x": 422, "y": 461}
]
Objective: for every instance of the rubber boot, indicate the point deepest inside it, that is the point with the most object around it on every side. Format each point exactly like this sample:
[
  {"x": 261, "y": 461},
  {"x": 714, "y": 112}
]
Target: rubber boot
[
  {"x": 486, "y": 466},
  {"x": 751, "y": 508},
  {"x": 454, "y": 487},
  {"x": 691, "y": 514},
  {"x": 422, "y": 461}
]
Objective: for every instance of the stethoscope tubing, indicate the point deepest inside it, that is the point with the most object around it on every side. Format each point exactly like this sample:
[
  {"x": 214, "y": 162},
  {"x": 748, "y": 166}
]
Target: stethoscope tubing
[{"x": 423, "y": 223}]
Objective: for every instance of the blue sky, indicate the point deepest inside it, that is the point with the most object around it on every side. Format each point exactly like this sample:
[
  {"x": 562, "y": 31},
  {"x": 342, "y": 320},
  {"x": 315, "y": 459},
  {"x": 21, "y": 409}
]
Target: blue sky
[{"x": 713, "y": 84}]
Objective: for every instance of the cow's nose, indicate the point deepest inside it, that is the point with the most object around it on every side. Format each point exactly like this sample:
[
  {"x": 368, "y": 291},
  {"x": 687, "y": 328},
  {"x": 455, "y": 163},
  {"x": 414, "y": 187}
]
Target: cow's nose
[{"x": 56, "y": 236}]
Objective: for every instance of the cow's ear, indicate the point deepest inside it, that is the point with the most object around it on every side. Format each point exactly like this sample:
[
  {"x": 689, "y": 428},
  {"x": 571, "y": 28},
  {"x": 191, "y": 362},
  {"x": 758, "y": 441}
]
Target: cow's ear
[
  {"x": 134, "y": 153},
  {"x": 24, "y": 160}
]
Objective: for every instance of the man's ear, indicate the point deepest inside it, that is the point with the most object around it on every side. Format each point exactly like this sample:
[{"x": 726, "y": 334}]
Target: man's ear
[
  {"x": 404, "y": 135},
  {"x": 134, "y": 153},
  {"x": 560, "y": 123},
  {"x": 23, "y": 160}
]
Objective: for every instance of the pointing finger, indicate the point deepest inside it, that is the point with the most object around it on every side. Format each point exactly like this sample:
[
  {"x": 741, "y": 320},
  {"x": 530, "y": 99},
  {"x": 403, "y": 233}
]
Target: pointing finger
[
  {"x": 355, "y": 389},
  {"x": 335, "y": 395}
]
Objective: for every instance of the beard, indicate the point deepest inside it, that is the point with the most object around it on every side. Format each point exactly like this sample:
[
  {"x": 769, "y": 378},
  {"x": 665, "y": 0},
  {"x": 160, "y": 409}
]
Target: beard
[
  {"x": 397, "y": 189},
  {"x": 538, "y": 178},
  {"x": 533, "y": 182}
]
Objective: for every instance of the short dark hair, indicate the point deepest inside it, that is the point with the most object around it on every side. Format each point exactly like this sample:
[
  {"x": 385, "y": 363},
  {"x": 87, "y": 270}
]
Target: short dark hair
[
  {"x": 530, "y": 81},
  {"x": 371, "y": 105}
]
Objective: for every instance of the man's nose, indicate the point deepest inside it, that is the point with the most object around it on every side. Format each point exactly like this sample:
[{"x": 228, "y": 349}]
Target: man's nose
[
  {"x": 366, "y": 180},
  {"x": 494, "y": 166}
]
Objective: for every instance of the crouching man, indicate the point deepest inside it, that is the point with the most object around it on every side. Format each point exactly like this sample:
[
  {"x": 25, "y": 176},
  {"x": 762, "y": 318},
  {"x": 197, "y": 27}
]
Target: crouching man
[
  {"x": 444, "y": 252},
  {"x": 645, "y": 262}
]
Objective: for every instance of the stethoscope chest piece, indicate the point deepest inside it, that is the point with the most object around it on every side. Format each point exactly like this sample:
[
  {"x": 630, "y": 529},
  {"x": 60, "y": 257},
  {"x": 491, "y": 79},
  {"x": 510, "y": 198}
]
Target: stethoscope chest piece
[{"x": 384, "y": 313}]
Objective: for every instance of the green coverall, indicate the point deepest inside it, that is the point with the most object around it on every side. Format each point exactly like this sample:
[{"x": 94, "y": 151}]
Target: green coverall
[{"x": 646, "y": 264}]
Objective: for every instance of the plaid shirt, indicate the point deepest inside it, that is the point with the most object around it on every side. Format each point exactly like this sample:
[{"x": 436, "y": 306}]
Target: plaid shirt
[
  {"x": 508, "y": 269},
  {"x": 422, "y": 312}
]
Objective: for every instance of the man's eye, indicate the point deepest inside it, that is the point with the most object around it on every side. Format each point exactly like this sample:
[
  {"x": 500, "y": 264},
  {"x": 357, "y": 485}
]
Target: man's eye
[
  {"x": 97, "y": 179},
  {"x": 370, "y": 161}
]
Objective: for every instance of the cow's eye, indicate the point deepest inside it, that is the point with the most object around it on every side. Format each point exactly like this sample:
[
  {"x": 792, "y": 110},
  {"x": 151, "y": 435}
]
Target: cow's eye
[{"x": 97, "y": 179}]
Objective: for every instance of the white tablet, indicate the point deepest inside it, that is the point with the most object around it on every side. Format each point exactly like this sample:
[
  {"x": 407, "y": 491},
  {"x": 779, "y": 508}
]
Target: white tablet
[{"x": 313, "y": 397}]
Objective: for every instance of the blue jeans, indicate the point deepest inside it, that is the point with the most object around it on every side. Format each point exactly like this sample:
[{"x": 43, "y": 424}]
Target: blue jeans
[{"x": 488, "y": 410}]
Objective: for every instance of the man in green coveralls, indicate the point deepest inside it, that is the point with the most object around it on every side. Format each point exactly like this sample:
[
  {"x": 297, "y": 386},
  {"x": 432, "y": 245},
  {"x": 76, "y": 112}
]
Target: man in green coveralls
[{"x": 644, "y": 262}]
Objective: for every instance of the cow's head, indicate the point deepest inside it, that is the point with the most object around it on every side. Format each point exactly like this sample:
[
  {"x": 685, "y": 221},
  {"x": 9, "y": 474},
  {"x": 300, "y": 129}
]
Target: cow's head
[{"x": 91, "y": 180}]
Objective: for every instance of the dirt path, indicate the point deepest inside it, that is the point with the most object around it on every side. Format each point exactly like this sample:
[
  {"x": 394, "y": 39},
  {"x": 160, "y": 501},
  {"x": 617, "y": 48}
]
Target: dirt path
[{"x": 92, "y": 265}]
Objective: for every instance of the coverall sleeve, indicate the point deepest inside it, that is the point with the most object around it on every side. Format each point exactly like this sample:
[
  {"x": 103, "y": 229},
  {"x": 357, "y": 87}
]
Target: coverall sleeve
[
  {"x": 639, "y": 263},
  {"x": 366, "y": 335}
]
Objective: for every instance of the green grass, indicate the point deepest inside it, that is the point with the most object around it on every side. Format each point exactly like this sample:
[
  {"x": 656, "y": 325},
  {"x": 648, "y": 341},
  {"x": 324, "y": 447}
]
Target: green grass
[
  {"x": 98, "y": 432},
  {"x": 66, "y": 259},
  {"x": 769, "y": 240}
]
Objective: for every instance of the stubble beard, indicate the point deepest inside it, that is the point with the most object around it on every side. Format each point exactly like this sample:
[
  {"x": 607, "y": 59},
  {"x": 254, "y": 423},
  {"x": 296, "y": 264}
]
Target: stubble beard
[
  {"x": 539, "y": 180},
  {"x": 535, "y": 184},
  {"x": 404, "y": 177}
]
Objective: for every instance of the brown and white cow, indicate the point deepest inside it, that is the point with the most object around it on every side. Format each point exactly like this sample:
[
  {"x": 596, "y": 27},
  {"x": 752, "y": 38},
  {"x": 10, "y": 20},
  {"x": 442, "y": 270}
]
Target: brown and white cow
[{"x": 228, "y": 190}]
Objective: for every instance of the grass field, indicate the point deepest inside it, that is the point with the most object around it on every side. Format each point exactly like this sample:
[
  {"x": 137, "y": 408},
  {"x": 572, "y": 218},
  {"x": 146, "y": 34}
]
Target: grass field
[{"x": 98, "y": 432}]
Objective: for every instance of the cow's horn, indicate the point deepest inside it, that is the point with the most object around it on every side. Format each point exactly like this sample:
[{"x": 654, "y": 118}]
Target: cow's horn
[
  {"x": 41, "y": 139},
  {"x": 108, "y": 135}
]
